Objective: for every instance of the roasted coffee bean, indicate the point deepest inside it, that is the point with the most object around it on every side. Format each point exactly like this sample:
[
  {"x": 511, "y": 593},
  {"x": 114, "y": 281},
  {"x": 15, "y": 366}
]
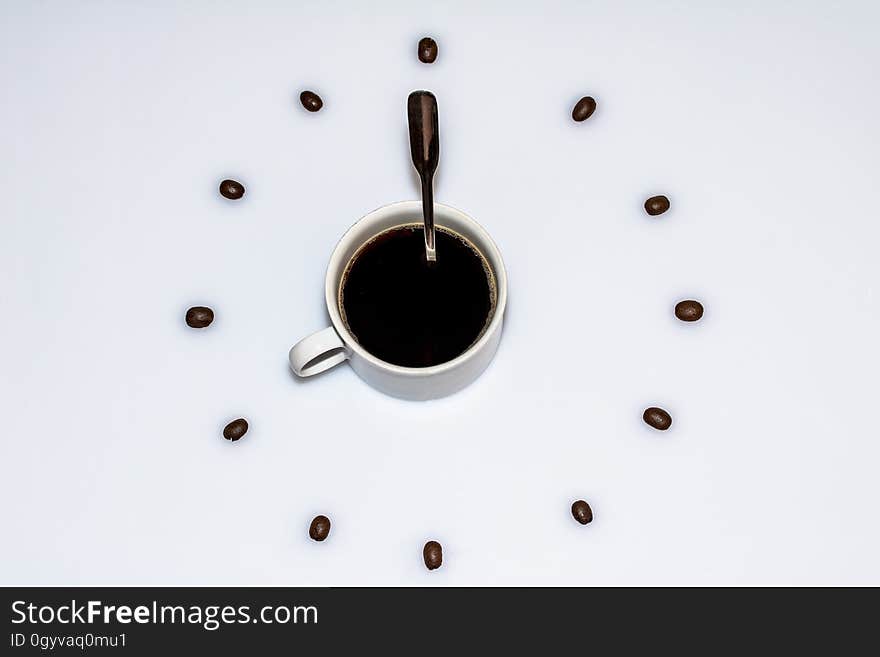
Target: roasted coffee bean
[
  {"x": 582, "y": 512},
  {"x": 235, "y": 429},
  {"x": 199, "y": 317},
  {"x": 656, "y": 205},
  {"x": 320, "y": 528},
  {"x": 231, "y": 189},
  {"x": 583, "y": 109},
  {"x": 689, "y": 310},
  {"x": 311, "y": 101},
  {"x": 427, "y": 50},
  {"x": 657, "y": 418},
  {"x": 433, "y": 555}
]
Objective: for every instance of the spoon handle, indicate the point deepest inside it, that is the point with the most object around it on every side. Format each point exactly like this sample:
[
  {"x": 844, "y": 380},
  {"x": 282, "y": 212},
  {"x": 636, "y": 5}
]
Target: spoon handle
[
  {"x": 424, "y": 143},
  {"x": 428, "y": 214}
]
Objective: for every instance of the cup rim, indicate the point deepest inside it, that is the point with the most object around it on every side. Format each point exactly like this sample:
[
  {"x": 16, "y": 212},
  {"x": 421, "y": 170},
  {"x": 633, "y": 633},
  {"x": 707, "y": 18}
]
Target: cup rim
[{"x": 493, "y": 257}]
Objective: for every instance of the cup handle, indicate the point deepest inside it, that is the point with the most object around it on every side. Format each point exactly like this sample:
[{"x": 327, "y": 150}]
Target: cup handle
[{"x": 318, "y": 352}]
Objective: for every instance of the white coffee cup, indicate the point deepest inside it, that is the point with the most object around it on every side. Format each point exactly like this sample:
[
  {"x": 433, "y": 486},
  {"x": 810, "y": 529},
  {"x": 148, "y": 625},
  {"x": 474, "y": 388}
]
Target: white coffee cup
[{"x": 325, "y": 349}]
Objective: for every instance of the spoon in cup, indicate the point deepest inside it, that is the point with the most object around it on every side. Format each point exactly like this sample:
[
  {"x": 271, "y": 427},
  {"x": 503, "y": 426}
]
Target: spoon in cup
[{"x": 424, "y": 143}]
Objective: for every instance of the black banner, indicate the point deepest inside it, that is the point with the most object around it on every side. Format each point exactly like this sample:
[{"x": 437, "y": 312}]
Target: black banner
[{"x": 269, "y": 620}]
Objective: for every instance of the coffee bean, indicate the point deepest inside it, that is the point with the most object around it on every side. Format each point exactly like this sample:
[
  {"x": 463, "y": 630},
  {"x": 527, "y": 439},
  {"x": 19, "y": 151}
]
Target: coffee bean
[
  {"x": 427, "y": 50},
  {"x": 657, "y": 418},
  {"x": 311, "y": 101},
  {"x": 689, "y": 310},
  {"x": 583, "y": 109},
  {"x": 656, "y": 205},
  {"x": 320, "y": 528},
  {"x": 231, "y": 189},
  {"x": 235, "y": 429},
  {"x": 582, "y": 512},
  {"x": 433, "y": 555},
  {"x": 199, "y": 317}
]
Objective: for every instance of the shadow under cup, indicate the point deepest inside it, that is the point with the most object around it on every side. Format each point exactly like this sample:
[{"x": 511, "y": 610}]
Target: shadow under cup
[{"x": 411, "y": 313}]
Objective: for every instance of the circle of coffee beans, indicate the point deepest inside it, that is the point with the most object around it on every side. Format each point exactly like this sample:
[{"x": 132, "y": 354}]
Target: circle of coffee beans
[
  {"x": 583, "y": 109},
  {"x": 657, "y": 418},
  {"x": 235, "y": 429},
  {"x": 320, "y": 528},
  {"x": 427, "y": 50},
  {"x": 689, "y": 310},
  {"x": 231, "y": 189},
  {"x": 311, "y": 101},
  {"x": 433, "y": 555},
  {"x": 199, "y": 317},
  {"x": 582, "y": 512},
  {"x": 656, "y": 205}
]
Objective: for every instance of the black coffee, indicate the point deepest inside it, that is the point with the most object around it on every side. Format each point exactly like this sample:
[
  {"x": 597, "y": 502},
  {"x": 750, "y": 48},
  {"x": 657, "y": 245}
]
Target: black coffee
[{"x": 407, "y": 312}]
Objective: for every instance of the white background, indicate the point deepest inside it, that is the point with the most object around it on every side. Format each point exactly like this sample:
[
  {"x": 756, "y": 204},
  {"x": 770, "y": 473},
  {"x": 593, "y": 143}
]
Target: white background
[{"x": 759, "y": 121}]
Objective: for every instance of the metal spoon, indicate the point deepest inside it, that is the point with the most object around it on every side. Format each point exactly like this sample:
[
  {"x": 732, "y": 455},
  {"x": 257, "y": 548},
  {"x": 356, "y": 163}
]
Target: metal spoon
[{"x": 424, "y": 143}]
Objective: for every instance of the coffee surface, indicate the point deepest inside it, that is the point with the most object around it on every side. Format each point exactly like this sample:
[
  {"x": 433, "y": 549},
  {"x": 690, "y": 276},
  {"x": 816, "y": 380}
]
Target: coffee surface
[{"x": 407, "y": 312}]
